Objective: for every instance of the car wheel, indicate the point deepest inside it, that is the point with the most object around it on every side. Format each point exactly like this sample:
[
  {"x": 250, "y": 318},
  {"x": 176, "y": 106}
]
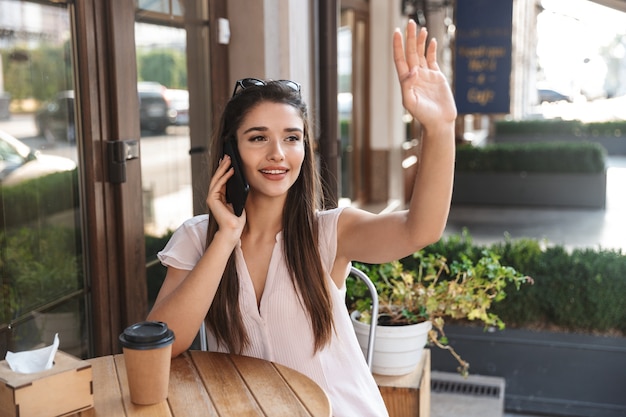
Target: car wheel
[{"x": 156, "y": 128}]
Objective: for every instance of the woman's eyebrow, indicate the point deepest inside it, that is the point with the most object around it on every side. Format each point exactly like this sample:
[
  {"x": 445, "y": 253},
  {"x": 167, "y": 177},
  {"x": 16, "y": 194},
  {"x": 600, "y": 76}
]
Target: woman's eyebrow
[
  {"x": 265, "y": 129},
  {"x": 256, "y": 129}
]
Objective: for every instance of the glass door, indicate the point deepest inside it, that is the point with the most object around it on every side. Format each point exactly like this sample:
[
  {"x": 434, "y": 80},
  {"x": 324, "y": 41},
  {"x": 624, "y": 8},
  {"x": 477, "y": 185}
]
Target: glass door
[
  {"x": 42, "y": 271},
  {"x": 353, "y": 104},
  {"x": 161, "y": 49}
]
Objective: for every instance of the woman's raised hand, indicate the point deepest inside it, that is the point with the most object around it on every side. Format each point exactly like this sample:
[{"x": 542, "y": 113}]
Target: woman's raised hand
[{"x": 425, "y": 91}]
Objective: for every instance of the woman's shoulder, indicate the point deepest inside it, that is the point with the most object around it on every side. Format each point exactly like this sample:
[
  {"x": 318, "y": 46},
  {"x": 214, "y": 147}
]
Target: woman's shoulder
[
  {"x": 186, "y": 245},
  {"x": 194, "y": 226},
  {"x": 327, "y": 237},
  {"x": 200, "y": 220},
  {"x": 329, "y": 214}
]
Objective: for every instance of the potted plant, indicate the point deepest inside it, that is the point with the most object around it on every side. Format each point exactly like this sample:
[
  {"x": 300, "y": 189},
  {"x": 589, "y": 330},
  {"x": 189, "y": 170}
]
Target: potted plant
[{"x": 430, "y": 293}]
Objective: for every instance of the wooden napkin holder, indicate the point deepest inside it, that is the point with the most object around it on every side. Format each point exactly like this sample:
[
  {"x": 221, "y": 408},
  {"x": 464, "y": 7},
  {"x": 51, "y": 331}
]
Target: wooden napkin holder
[{"x": 64, "y": 389}]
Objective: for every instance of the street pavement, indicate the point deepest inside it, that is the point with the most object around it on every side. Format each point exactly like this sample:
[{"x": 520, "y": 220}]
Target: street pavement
[{"x": 572, "y": 228}]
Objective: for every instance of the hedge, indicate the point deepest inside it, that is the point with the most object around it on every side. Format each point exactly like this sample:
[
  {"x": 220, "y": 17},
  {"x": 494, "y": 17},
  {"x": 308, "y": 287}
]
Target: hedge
[
  {"x": 580, "y": 290},
  {"x": 560, "y": 127},
  {"x": 39, "y": 197},
  {"x": 545, "y": 157}
]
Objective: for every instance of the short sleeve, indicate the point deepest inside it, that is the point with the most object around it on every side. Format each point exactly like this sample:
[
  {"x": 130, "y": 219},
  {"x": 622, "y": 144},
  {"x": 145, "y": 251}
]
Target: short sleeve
[
  {"x": 327, "y": 223},
  {"x": 187, "y": 244}
]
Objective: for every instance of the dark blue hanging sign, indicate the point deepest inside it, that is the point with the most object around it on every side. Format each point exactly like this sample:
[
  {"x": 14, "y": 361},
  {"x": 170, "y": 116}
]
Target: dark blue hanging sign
[{"x": 483, "y": 56}]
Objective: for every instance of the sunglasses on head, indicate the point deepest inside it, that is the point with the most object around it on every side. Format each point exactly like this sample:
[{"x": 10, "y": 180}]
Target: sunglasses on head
[{"x": 252, "y": 82}]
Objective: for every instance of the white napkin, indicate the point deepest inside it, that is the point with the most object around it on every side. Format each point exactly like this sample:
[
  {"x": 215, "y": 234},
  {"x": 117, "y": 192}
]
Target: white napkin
[{"x": 33, "y": 361}]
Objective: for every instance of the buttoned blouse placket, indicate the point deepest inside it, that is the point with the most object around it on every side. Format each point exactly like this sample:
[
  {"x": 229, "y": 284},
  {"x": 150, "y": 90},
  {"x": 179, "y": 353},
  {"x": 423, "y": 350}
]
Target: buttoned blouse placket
[{"x": 248, "y": 295}]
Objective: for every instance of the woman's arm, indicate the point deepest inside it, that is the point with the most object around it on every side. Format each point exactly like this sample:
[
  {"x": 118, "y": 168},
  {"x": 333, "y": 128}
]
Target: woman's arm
[
  {"x": 186, "y": 296},
  {"x": 427, "y": 96}
]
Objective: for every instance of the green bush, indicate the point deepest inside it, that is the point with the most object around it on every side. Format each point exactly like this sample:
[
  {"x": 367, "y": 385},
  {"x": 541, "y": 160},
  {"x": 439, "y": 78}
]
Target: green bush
[
  {"x": 39, "y": 197},
  {"x": 615, "y": 129},
  {"x": 39, "y": 265},
  {"x": 539, "y": 157},
  {"x": 165, "y": 66},
  {"x": 42, "y": 59},
  {"x": 580, "y": 290},
  {"x": 539, "y": 127},
  {"x": 42, "y": 263},
  {"x": 560, "y": 127}
]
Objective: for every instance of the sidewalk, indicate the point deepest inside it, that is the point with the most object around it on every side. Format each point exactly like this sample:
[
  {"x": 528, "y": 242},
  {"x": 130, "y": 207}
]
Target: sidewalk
[{"x": 572, "y": 228}]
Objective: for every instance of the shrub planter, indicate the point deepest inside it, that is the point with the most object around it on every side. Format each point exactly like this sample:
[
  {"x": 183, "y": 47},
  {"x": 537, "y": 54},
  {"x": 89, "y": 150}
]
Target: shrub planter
[
  {"x": 530, "y": 189},
  {"x": 611, "y": 134},
  {"x": 560, "y": 374},
  {"x": 614, "y": 145}
]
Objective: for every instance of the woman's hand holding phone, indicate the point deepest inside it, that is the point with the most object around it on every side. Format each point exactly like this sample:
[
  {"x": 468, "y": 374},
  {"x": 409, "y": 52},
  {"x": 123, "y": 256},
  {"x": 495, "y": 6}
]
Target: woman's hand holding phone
[
  {"x": 237, "y": 186},
  {"x": 221, "y": 210}
]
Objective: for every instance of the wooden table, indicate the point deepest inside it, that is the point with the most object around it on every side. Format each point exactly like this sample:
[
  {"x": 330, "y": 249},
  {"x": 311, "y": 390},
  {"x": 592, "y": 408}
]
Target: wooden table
[{"x": 211, "y": 384}]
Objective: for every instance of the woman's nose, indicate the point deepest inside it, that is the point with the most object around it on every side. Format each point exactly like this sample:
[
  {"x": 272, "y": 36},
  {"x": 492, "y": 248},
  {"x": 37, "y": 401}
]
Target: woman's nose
[{"x": 275, "y": 151}]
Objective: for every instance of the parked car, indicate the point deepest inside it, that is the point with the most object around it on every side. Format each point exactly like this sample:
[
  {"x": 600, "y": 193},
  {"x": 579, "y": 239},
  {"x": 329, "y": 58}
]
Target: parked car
[
  {"x": 547, "y": 95},
  {"x": 178, "y": 106},
  {"x": 153, "y": 107},
  {"x": 55, "y": 119},
  {"x": 18, "y": 162}
]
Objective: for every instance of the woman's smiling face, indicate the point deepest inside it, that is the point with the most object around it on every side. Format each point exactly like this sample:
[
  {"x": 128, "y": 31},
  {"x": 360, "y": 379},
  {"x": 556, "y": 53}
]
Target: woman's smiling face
[{"x": 271, "y": 144}]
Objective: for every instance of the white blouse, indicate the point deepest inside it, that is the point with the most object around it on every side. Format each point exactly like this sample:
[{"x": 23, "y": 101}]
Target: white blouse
[{"x": 279, "y": 329}]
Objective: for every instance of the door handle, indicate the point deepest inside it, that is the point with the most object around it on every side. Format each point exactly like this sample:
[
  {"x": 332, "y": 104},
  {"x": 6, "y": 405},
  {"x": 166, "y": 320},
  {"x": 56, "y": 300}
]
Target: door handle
[{"x": 120, "y": 151}]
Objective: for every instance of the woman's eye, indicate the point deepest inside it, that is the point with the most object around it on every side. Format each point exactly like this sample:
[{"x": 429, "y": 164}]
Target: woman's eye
[
  {"x": 257, "y": 139},
  {"x": 293, "y": 138}
]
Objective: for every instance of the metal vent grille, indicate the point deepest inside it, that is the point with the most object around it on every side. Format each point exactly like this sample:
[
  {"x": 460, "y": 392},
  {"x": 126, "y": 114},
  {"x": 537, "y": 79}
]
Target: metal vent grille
[{"x": 465, "y": 388}]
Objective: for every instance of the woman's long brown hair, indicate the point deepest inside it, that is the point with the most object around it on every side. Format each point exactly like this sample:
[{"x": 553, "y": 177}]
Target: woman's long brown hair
[{"x": 300, "y": 229}]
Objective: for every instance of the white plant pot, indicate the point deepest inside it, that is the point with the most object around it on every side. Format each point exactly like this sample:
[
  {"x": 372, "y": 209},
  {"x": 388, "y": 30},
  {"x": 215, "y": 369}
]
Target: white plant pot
[{"x": 397, "y": 349}]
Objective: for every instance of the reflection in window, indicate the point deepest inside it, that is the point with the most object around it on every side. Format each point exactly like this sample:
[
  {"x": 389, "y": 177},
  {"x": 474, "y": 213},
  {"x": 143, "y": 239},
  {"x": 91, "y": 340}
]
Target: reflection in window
[
  {"x": 160, "y": 9},
  {"x": 344, "y": 106},
  {"x": 42, "y": 289},
  {"x": 164, "y": 119}
]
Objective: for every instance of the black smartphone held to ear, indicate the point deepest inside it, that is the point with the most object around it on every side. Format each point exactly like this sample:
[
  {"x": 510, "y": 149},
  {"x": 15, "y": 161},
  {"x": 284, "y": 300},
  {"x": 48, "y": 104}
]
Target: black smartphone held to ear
[{"x": 236, "y": 187}]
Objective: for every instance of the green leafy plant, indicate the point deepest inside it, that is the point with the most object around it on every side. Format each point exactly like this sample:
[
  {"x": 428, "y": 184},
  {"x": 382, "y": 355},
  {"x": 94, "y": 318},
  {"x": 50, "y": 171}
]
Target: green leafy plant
[
  {"x": 576, "y": 290},
  {"x": 39, "y": 265},
  {"x": 8, "y": 303},
  {"x": 436, "y": 290}
]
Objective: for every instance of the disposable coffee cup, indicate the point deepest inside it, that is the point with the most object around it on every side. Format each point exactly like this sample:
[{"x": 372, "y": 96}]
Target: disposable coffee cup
[{"x": 147, "y": 350}]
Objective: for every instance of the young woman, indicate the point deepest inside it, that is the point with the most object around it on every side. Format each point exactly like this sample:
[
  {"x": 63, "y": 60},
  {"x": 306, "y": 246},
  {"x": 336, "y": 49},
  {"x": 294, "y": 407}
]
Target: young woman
[{"x": 271, "y": 282}]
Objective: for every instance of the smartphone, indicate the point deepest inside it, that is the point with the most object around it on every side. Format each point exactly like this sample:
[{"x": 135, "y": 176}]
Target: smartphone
[{"x": 236, "y": 187}]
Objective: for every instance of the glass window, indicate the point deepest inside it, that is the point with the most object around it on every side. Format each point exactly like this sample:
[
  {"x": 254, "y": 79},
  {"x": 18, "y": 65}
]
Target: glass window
[
  {"x": 344, "y": 105},
  {"x": 165, "y": 143},
  {"x": 165, "y": 11},
  {"x": 42, "y": 290}
]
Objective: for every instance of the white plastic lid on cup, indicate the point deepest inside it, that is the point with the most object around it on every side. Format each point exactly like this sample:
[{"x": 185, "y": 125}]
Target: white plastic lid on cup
[{"x": 147, "y": 335}]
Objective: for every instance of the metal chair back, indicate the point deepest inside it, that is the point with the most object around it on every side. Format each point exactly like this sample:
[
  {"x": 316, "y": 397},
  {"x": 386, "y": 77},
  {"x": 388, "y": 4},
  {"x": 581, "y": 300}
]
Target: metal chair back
[{"x": 357, "y": 273}]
